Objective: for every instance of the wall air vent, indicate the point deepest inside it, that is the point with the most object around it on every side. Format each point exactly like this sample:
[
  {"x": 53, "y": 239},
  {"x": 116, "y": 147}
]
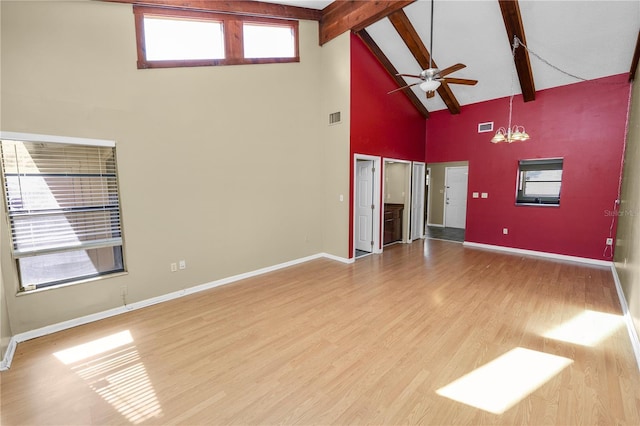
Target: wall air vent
[
  {"x": 334, "y": 118},
  {"x": 485, "y": 127}
]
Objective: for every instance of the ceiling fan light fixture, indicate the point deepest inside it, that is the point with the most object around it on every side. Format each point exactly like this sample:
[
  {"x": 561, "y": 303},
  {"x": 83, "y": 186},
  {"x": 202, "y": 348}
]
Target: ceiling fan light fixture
[{"x": 429, "y": 85}]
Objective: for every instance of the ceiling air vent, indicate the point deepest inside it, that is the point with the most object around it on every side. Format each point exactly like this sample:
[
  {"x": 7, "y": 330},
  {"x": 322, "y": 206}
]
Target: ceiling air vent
[
  {"x": 334, "y": 118},
  {"x": 485, "y": 127}
]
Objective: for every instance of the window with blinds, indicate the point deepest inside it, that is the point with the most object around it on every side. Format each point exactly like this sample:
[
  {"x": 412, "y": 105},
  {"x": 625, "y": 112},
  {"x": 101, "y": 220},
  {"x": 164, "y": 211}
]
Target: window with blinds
[
  {"x": 63, "y": 206},
  {"x": 539, "y": 181}
]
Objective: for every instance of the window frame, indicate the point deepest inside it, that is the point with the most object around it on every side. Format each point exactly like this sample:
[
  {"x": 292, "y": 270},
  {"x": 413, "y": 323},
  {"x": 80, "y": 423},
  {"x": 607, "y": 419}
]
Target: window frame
[
  {"x": 232, "y": 28},
  {"x": 537, "y": 165},
  {"x": 17, "y": 255}
]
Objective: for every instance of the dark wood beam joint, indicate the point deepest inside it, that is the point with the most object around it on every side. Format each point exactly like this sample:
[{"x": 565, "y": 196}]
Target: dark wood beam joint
[
  {"x": 388, "y": 66},
  {"x": 408, "y": 33},
  {"x": 513, "y": 24},
  {"x": 351, "y": 15}
]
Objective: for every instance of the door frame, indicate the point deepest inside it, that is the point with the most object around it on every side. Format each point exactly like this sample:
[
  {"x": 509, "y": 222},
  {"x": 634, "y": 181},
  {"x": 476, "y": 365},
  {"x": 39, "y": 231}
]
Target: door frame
[
  {"x": 406, "y": 217},
  {"x": 444, "y": 205},
  {"x": 421, "y": 201},
  {"x": 428, "y": 204},
  {"x": 377, "y": 212}
]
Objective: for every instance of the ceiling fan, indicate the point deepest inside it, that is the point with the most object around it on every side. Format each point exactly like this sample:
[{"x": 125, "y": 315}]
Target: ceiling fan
[{"x": 431, "y": 78}]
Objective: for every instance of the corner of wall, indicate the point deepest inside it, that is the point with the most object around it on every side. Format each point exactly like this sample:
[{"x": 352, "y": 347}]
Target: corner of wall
[
  {"x": 5, "y": 325},
  {"x": 627, "y": 250}
]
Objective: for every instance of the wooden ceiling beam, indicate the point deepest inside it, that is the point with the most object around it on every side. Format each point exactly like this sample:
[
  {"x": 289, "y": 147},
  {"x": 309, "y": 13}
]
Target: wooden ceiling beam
[
  {"x": 239, "y": 7},
  {"x": 408, "y": 33},
  {"x": 513, "y": 24},
  {"x": 635, "y": 60},
  {"x": 351, "y": 15},
  {"x": 388, "y": 66}
]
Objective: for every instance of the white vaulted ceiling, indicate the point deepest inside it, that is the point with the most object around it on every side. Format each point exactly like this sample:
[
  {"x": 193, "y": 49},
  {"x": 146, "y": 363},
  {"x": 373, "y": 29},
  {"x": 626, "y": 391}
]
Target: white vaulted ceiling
[{"x": 586, "y": 38}]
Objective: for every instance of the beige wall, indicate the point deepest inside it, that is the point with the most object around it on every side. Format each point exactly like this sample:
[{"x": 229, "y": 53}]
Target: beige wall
[
  {"x": 220, "y": 166},
  {"x": 436, "y": 190},
  {"x": 335, "y": 71},
  {"x": 627, "y": 254}
]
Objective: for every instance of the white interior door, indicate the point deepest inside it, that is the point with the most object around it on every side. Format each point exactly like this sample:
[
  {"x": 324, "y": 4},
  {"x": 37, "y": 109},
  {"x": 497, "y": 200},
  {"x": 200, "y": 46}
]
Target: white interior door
[
  {"x": 417, "y": 201},
  {"x": 455, "y": 205},
  {"x": 364, "y": 205}
]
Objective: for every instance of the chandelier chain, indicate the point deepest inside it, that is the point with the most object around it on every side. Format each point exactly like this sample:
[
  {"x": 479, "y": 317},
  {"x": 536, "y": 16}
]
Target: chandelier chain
[{"x": 516, "y": 41}]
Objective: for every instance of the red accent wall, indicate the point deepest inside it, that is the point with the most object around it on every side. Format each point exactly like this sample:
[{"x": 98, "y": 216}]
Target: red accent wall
[
  {"x": 585, "y": 123},
  {"x": 381, "y": 125}
]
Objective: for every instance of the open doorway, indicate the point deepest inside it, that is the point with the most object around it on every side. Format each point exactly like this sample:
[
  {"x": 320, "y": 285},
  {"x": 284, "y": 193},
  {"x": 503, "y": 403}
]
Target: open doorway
[
  {"x": 397, "y": 201},
  {"x": 447, "y": 200},
  {"x": 366, "y": 205}
]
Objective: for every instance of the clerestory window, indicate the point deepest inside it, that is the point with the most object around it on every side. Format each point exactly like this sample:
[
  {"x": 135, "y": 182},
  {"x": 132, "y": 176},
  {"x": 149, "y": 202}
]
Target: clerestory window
[{"x": 178, "y": 38}]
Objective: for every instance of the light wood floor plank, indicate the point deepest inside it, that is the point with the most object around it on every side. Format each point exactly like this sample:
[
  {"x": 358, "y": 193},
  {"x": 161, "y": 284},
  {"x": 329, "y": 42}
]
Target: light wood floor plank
[{"x": 328, "y": 343}]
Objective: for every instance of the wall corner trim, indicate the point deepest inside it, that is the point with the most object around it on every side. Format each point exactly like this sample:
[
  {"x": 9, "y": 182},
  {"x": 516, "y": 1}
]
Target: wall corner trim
[
  {"x": 8, "y": 355},
  {"x": 633, "y": 334},
  {"x": 543, "y": 254},
  {"x": 53, "y": 328}
]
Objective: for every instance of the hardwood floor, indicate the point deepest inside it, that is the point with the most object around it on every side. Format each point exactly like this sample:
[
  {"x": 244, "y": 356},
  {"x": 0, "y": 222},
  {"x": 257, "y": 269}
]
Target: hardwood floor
[{"x": 381, "y": 341}]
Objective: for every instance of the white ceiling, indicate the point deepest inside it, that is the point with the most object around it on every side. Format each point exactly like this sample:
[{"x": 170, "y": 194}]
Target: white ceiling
[{"x": 587, "y": 38}]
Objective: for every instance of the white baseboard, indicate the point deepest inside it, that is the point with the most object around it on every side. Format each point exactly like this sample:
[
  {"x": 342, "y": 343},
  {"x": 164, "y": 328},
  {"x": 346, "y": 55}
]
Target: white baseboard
[
  {"x": 32, "y": 334},
  {"x": 337, "y": 258},
  {"x": 43, "y": 331},
  {"x": 540, "y": 254},
  {"x": 633, "y": 333},
  {"x": 436, "y": 225}
]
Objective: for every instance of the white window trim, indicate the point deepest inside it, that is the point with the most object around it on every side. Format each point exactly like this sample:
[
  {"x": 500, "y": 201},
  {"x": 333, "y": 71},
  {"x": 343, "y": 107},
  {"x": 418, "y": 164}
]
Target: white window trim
[{"x": 34, "y": 137}]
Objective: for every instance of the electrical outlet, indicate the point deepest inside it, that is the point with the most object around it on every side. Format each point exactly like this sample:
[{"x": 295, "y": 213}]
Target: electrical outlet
[
  {"x": 174, "y": 267},
  {"x": 505, "y": 231},
  {"x": 182, "y": 264},
  {"x": 609, "y": 241}
]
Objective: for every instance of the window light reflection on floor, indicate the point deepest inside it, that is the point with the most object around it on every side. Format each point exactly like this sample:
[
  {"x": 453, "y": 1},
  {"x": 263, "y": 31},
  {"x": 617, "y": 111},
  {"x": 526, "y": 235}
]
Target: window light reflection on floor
[
  {"x": 500, "y": 384},
  {"x": 112, "y": 368},
  {"x": 586, "y": 329},
  {"x": 95, "y": 347}
]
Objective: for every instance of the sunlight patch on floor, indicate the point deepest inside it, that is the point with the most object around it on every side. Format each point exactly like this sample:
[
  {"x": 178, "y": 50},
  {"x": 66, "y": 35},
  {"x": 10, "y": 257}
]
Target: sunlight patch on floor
[
  {"x": 112, "y": 368},
  {"x": 95, "y": 347},
  {"x": 586, "y": 329},
  {"x": 500, "y": 384}
]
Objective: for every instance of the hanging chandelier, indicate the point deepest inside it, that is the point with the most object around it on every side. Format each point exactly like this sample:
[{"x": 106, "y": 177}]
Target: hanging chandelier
[{"x": 511, "y": 133}]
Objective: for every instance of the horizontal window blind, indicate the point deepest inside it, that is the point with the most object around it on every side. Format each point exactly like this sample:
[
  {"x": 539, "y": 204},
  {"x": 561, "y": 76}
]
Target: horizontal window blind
[
  {"x": 545, "y": 164},
  {"x": 60, "y": 197}
]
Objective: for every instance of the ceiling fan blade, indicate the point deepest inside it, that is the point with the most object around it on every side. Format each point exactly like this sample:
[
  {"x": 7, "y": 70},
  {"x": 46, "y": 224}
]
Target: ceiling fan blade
[
  {"x": 452, "y": 68},
  {"x": 403, "y": 87},
  {"x": 431, "y": 94},
  {"x": 409, "y": 75},
  {"x": 464, "y": 81}
]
